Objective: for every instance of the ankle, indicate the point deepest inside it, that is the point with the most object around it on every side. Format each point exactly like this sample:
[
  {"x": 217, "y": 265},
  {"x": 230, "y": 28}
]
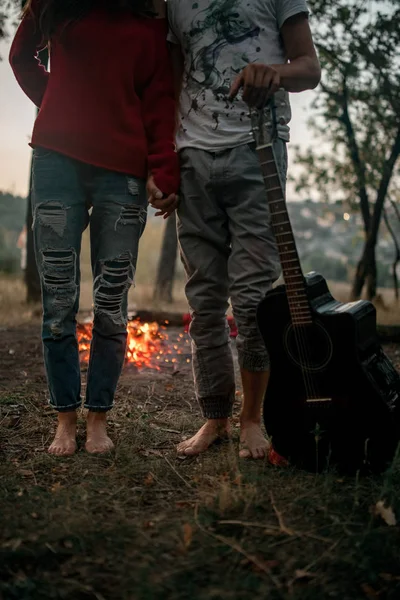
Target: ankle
[
  {"x": 96, "y": 417},
  {"x": 217, "y": 424},
  {"x": 67, "y": 418},
  {"x": 249, "y": 419}
]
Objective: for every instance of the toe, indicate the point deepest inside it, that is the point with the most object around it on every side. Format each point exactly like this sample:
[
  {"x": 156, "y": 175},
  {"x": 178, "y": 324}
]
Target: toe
[
  {"x": 190, "y": 451},
  {"x": 260, "y": 453},
  {"x": 195, "y": 449},
  {"x": 183, "y": 447},
  {"x": 245, "y": 453}
]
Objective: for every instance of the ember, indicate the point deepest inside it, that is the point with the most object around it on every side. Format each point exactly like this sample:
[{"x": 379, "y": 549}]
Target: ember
[{"x": 148, "y": 345}]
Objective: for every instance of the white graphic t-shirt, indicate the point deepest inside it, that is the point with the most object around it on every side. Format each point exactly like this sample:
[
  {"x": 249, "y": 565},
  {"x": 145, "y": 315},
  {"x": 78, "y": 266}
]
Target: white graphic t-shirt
[{"x": 218, "y": 39}]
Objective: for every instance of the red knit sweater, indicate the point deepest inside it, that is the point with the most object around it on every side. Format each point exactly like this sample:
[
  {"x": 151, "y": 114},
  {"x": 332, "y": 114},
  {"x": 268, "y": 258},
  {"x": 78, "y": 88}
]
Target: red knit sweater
[{"x": 108, "y": 100}]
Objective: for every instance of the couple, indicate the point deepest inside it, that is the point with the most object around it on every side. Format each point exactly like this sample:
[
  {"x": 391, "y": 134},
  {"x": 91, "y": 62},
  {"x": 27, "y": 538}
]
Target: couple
[{"x": 107, "y": 130}]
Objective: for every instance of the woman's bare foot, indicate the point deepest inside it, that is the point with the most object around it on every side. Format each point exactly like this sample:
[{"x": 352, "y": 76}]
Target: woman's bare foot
[
  {"x": 64, "y": 443},
  {"x": 253, "y": 442},
  {"x": 211, "y": 432},
  {"x": 97, "y": 440}
]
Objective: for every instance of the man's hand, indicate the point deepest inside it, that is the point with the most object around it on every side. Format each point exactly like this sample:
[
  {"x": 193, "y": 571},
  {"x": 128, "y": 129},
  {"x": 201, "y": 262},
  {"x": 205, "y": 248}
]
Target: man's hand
[
  {"x": 259, "y": 83},
  {"x": 164, "y": 205}
]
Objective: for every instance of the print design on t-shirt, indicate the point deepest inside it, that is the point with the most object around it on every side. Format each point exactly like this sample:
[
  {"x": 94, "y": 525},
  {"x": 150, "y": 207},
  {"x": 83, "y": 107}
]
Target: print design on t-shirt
[{"x": 225, "y": 22}]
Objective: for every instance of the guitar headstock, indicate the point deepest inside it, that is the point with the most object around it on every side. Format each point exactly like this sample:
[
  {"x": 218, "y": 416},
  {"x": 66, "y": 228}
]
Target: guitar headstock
[{"x": 263, "y": 124}]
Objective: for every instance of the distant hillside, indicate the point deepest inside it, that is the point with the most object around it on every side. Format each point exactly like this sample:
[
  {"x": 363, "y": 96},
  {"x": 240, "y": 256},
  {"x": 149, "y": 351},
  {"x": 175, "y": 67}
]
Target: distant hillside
[{"x": 329, "y": 239}]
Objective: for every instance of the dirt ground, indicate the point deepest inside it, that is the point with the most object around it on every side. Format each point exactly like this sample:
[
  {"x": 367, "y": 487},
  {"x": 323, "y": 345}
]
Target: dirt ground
[{"x": 144, "y": 525}]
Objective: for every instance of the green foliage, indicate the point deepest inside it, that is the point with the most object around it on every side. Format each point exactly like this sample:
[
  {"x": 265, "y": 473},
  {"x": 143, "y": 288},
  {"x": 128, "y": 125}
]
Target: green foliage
[
  {"x": 357, "y": 109},
  {"x": 9, "y": 10}
]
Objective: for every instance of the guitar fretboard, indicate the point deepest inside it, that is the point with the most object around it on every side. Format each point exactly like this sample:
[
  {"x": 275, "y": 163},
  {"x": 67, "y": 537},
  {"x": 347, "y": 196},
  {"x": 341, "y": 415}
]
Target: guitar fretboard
[{"x": 294, "y": 280}]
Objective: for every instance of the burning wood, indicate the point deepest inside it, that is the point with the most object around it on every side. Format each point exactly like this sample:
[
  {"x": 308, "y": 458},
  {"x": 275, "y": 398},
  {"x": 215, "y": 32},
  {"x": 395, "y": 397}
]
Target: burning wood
[{"x": 148, "y": 345}]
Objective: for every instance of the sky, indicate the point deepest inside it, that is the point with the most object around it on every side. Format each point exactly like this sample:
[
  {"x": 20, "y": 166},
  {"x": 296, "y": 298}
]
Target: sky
[{"x": 16, "y": 121}]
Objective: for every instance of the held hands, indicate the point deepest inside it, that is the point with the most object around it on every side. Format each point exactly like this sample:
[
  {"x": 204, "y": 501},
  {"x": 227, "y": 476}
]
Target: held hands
[
  {"x": 259, "y": 83},
  {"x": 164, "y": 205}
]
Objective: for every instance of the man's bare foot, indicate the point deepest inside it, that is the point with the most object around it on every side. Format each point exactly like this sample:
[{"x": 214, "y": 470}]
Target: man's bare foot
[
  {"x": 97, "y": 440},
  {"x": 252, "y": 440},
  {"x": 64, "y": 443},
  {"x": 211, "y": 432}
]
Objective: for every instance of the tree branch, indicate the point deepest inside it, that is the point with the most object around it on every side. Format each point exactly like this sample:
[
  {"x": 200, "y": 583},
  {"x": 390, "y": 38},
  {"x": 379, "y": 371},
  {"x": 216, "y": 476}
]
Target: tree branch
[
  {"x": 397, "y": 253},
  {"x": 388, "y": 169},
  {"x": 359, "y": 165}
]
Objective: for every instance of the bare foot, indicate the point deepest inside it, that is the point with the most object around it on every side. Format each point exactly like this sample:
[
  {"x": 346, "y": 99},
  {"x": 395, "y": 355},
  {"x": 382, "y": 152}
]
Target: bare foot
[
  {"x": 252, "y": 439},
  {"x": 97, "y": 440},
  {"x": 64, "y": 443},
  {"x": 211, "y": 432}
]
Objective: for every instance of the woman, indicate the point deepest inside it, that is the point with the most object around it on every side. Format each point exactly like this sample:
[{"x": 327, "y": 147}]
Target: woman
[{"x": 106, "y": 123}]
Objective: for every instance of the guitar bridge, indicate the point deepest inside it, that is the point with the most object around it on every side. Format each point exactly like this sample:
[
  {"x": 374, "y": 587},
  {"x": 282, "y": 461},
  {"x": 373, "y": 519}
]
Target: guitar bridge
[{"x": 318, "y": 400}]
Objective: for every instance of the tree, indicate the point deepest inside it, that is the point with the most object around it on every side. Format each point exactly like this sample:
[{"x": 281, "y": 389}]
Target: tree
[
  {"x": 8, "y": 12},
  {"x": 167, "y": 263},
  {"x": 356, "y": 116},
  {"x": 388, "y": 222}
]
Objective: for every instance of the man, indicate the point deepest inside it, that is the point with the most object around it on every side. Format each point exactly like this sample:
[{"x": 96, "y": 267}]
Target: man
[{"x": 222, "y": 49}]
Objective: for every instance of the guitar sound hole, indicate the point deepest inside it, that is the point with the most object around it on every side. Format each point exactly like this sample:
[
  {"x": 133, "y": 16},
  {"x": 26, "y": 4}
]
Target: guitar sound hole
[{"x": 309, "y": 347}]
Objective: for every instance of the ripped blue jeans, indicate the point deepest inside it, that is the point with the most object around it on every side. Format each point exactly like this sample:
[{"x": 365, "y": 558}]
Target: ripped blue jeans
[{"x": 63, "y": 192}]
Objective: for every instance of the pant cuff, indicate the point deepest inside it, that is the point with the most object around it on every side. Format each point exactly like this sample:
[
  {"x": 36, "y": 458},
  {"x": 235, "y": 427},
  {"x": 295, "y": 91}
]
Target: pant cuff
[
  {"x": 252, "y": 362},
  {"x": 98, "y": 409},
  {"x": 217, "y": 407},
  {"x": 63, "y": 409}
]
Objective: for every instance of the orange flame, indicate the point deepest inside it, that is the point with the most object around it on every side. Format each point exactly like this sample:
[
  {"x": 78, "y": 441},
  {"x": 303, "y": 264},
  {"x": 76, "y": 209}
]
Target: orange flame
[{"x": 147, "y": 345}]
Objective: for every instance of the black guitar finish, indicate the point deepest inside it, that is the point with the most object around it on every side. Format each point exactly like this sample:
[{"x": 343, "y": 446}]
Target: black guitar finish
[
  {"x": 333, "y": 396},
  {"x": 335, "y": 399}
]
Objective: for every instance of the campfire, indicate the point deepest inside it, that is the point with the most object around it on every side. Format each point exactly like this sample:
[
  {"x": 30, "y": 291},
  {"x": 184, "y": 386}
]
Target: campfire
[{"x": 148, "y": 345}]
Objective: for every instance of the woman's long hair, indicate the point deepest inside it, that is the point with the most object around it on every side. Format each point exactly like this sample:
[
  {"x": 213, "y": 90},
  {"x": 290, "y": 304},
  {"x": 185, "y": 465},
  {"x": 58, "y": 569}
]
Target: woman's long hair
[{"x": 50, "y": 15}]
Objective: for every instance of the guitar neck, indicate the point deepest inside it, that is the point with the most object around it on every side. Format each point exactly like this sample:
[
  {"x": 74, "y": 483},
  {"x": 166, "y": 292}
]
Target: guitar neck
[{"x": 291, "y": 267}]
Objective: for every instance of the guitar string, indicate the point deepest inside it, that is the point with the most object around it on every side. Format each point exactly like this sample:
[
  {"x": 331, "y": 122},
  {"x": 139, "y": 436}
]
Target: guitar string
[
  {"x": 299, "y": 329},
  {"x": 297, "y": 312}
]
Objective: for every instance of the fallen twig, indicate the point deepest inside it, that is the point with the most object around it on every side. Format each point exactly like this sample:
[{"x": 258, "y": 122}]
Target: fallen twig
[
  {"x": 275, "y": 530},
  {"x": 238, "y": 548},
  {"x": 279, "y": 516},
  {"x": 178, "y": 474}
]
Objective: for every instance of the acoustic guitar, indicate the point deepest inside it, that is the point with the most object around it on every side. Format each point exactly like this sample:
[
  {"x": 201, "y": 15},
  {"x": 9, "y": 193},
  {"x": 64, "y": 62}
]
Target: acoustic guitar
[{"x": 333, "y": 398}]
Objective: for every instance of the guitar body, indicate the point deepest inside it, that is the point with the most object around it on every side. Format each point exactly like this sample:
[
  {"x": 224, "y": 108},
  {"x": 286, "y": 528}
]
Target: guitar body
[{"x": 333, "y": 396}]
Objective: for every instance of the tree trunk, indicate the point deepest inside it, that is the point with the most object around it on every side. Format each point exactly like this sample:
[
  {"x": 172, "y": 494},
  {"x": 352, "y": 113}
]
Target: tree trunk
[
  {"x": 372, "y": 277},
  {"x": 397, "y": 252},
  {"x": 366, "y": 273},
  {"x": 167, "y": 263}
]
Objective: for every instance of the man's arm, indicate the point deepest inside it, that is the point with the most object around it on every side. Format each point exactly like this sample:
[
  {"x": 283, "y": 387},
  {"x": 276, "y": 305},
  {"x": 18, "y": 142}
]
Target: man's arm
[{"x": 302, "y": 72}]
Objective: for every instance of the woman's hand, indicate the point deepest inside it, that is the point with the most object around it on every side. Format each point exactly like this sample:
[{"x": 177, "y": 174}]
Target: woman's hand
[{"x": 165, "y": 205}]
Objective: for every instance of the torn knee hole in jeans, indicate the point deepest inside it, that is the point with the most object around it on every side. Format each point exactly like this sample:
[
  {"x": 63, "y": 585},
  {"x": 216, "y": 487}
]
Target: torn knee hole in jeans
[
  {"x": 131, "y": 215},
  {"x": 58, "y": 273},
  {"x": 53, "y": 215},
  {"x": 58, "y": 268},
  {"x": 111, "y": 286}
]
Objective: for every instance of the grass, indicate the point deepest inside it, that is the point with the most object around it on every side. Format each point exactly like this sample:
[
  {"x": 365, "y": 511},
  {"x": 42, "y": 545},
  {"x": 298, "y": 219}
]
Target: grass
[{"x": 144, "y": 525}]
